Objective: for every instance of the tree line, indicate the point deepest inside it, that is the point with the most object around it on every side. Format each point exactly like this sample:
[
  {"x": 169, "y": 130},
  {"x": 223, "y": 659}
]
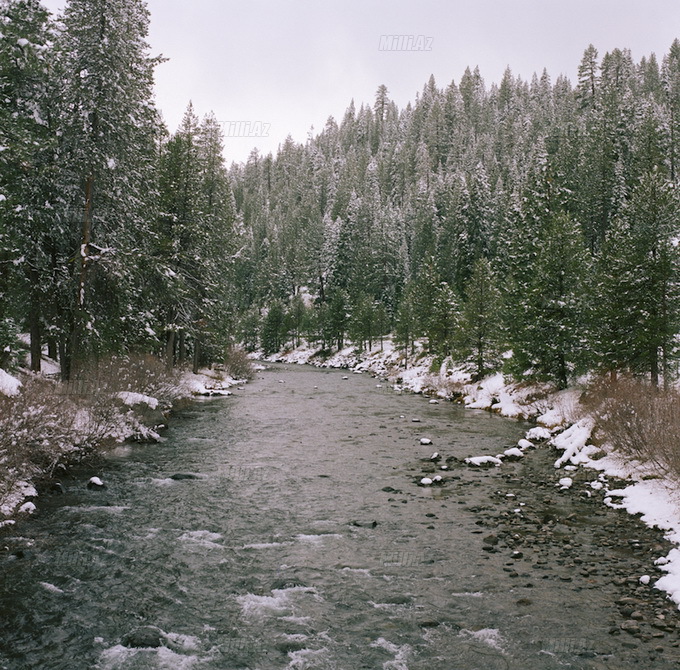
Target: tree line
[
  {"x": 524, "y": 226},
  {"x": 530, "y": 227}
]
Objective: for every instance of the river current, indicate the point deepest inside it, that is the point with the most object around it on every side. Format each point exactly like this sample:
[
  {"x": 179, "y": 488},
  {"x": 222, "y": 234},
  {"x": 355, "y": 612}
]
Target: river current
[{"x": 284, "y": 527}]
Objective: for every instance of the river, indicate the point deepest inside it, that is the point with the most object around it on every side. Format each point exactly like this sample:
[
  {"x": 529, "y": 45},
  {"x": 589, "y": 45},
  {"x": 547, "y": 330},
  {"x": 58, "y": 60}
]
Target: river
[{"x": 297, "y": 536}]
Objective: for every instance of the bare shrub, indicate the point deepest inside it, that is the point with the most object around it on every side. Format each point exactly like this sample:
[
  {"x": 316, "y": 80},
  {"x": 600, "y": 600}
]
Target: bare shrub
[
  {"x": 139, "y": 373},
  {"x": 38, "y": 428},
  {"x": 638, "y": 420},
  {"x": 237, "y": 364},
  {"x": 50, "y": 424}
]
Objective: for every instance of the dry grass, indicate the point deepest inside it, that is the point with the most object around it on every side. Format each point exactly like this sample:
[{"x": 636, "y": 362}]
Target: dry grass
[
  {"x": 50, "y": 424},
  {"x": 638, "y": 421},
  {"x": 237, "y": 364},
  {"x": 107, "y": 376}
]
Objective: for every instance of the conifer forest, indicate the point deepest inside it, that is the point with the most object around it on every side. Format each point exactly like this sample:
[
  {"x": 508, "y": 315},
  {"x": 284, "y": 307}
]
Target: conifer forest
[{"x": 524, "y": 226}]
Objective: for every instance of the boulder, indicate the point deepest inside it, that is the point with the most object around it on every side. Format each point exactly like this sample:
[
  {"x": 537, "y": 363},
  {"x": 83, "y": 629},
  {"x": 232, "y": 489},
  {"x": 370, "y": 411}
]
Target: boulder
[
  {"x": 144, "y": 637},
  {"x": 96, "y": 484}
]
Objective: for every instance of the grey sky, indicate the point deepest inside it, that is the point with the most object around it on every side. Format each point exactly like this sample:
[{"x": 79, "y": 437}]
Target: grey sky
[{"x": 291, "y": 64}]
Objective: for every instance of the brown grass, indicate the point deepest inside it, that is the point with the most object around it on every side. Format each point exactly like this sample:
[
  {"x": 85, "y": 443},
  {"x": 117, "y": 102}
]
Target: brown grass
[
  {"x": 237, "y": 364},
  {"x": 50, "y": 424},
  {"x": 638, "y": 421}
]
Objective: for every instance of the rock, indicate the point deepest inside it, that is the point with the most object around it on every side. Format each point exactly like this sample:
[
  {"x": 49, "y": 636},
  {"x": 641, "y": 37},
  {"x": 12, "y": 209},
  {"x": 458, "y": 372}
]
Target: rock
[
  {"x": 179, "y": 476},
  {"x": 96, "y": 484},
  {"x": 425, "y": 481},
  {"x": 27, "y": 508},
  {"x": 425, "y": 440},
  {"x": 57, "y": 488},
  {"x": 364, "y": 524},
  {"x": 632, "y": 627},
  {"x": 144, "y": 637},
  {"x": 290, "y": 646},
  {"x": 435, "y": 457},
  {"x": 491, "y": 540}
]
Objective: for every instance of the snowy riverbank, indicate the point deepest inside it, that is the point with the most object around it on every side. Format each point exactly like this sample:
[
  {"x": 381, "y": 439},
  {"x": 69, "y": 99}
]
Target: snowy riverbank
[
  {"x": 561, "y": 422},
  {"x": 68, "y": 423}
]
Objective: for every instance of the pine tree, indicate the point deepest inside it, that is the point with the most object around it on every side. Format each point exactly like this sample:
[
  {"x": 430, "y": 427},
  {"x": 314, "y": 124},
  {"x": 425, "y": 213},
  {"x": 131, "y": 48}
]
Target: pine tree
[
  {"x": 549, "y": 343},
  {"x": 479, "y": 335},
  {"x": 653, "y": 221},
  {"x": 108, "y": 128},
  {"x": 26, "y": 161}
]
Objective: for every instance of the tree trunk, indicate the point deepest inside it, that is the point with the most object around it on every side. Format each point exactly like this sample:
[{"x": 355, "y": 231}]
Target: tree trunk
[
  {"x": 182, "y": 346},
  {"x": 170, "y": 350},
  {"x": 77, "y": 334},
  {"x": 197, "y": 355},
  {"x": 34, "y": 331},
  {"x": 65, "y": 358},
  {"x": 654, "y": 367},
  {"x": 52, "y": 350}
]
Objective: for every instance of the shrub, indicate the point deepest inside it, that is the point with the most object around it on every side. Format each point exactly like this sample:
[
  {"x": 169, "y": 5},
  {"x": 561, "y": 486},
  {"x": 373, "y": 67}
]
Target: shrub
[
  {"x": 237, "y": 364},
  {"x": 638, "y": 420},
  {"x": 140, "y": 373}
]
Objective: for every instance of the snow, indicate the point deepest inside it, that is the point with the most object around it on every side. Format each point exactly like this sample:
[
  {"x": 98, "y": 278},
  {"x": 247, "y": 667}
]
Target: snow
[
  {"x": 27, "y": 508},
  {"x": 538, "y": 433},
  {"x": 514, "y": 452},
  {"x": 9, "y": 385},
  {"x": 426, "y": 481},
  {"x": 131, "y": 399},
  {"x": 484, "y": 460},
  {"x": 208, "y": 383},
  {"x": 566, "y": 483},
  {"x": 573, "y": 441}
]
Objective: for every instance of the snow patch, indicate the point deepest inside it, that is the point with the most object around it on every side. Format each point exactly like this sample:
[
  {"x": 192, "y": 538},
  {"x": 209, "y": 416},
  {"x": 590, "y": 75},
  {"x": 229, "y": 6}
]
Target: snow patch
[
  {"x": 131, "y": 399},
  {"x": 484, "y": 460},
  {"x": 9, "y": 385}
]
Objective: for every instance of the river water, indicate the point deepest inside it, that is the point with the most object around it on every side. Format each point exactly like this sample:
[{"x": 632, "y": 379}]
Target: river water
[{"x": 300, "y": 538}]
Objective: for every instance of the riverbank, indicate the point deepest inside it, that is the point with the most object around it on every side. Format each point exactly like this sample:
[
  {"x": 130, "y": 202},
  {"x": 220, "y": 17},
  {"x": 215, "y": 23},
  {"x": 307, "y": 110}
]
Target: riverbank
[
  {"x": 586, "y": 466},
  {"x": 47, "y": 426}
]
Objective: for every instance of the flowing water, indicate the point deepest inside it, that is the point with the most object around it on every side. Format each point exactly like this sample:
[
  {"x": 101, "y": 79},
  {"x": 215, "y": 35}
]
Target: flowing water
[{"x": 299, "y": 539}]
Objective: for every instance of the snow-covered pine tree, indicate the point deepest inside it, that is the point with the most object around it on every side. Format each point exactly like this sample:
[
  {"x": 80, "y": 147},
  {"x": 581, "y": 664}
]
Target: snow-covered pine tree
[
  {"x": 479, "y": 336},
  {"x": 108, "y": 129},
  {"x": 26, "y": 159}
]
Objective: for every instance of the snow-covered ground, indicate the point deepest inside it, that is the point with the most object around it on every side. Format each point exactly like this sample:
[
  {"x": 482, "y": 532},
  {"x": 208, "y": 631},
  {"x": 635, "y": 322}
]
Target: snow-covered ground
[{"x": 560, "y": 422}]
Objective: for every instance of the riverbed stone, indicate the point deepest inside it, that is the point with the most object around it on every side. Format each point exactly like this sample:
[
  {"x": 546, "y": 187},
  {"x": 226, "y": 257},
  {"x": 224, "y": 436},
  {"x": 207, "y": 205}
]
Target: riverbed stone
[{"x": 144, "y": 637}]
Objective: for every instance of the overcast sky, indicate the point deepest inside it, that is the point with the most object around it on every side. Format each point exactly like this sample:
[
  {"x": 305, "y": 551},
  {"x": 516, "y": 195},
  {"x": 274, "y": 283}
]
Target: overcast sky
[{"x": 282, "y": 67}]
